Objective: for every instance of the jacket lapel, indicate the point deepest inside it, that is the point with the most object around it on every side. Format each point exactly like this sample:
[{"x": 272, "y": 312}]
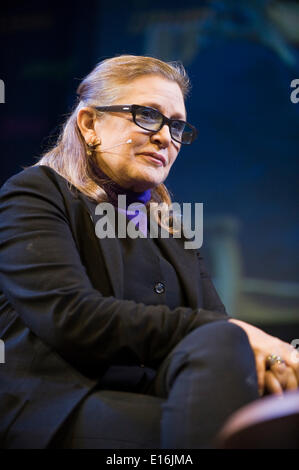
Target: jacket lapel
[{"x": 111, "y": 251}]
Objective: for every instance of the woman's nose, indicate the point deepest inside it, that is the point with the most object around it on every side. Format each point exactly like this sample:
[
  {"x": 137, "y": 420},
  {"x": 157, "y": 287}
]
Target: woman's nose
[{"x": 163, "y": 136}]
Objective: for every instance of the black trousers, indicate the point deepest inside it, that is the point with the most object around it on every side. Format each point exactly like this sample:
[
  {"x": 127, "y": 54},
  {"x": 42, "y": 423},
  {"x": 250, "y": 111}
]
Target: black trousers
[{"x": 206, "y": 377}]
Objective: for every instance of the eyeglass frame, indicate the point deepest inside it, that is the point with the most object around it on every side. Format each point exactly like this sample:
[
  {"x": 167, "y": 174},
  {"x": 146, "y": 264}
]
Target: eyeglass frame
[{"x": 132, "y": 108}]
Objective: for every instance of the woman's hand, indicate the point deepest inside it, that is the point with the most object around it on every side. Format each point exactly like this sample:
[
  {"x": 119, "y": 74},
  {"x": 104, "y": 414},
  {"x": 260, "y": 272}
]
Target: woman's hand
[{"x": 280, "y": 376}]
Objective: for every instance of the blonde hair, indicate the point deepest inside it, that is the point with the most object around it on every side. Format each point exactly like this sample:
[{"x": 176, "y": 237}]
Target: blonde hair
[{"x": 102, "y": 87}]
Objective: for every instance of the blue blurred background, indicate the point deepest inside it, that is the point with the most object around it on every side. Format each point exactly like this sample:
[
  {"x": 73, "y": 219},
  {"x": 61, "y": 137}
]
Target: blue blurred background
[{"x": 241, "y": 57}]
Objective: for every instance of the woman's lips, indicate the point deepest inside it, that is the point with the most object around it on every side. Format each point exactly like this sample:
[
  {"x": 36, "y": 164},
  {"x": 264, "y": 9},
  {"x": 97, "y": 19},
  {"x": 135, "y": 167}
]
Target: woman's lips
[{"x": 156, "y": 158}]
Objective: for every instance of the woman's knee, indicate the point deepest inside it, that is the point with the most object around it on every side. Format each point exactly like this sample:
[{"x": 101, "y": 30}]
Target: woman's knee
[
  {"x": 218, "y": 352},
  {"x": 221, "y": 336},
  {"x": 215, "y": 346}
]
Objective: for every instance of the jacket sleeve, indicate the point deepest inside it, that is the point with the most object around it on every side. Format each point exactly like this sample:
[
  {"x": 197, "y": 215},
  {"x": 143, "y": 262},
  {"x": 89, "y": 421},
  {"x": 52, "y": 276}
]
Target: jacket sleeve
[{"x": 42, "y": 276}]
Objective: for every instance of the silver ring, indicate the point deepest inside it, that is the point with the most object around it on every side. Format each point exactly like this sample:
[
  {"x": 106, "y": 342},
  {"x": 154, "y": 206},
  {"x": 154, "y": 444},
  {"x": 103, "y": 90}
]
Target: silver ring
[{"x": 273, "y": 359}]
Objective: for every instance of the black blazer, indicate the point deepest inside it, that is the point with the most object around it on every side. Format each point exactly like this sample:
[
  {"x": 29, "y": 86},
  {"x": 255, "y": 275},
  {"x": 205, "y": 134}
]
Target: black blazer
[{"x": 63, "y": 318}]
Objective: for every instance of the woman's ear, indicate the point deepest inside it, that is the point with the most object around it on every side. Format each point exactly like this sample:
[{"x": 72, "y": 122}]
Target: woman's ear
[{"x": 86, "y": 119}]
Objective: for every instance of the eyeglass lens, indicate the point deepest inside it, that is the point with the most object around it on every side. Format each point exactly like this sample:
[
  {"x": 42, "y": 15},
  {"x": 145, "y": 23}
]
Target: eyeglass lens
[{"x": 152, "y": 119}]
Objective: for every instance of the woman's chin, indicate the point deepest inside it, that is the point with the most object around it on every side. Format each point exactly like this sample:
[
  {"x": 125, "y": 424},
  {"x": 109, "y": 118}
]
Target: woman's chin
[
  {"x": 149, "y": 178},
  {"x": 144, "y": 184}
]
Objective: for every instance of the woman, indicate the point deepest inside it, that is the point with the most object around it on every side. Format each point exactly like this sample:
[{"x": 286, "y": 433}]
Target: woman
[{"x": 117, "y": 342}]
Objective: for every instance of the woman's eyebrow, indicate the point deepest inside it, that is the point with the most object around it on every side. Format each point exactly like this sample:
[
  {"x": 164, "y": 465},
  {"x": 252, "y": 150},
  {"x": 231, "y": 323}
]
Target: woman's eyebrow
[{"x": 158, "y": 107}]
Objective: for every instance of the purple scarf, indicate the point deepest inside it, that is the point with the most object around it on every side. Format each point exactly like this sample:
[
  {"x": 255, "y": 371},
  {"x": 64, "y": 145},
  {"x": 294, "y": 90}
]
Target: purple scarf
[{"x": 113, "y": 190}]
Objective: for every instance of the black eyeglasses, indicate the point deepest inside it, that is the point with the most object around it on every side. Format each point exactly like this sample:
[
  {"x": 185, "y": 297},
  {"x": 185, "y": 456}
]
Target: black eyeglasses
[{"x": 152, "y": 120}]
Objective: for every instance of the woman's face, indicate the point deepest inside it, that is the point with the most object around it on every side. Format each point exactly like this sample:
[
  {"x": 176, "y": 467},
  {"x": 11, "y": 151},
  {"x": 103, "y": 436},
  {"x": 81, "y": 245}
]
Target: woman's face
[{"x": 129, "y": 164}]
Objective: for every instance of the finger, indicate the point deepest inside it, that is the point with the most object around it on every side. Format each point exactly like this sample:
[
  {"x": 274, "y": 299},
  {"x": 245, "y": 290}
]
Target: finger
[
  {"x": 285, "y": 376},
  {"x": 272, "y": 385},
  {"x": 291, "y": 357},
  {"x": 260, "y": 370},
  {"x": 292, "y": 383},
  {"x": 281, "y": 371},
  {"x": 293, "y": 362}
]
